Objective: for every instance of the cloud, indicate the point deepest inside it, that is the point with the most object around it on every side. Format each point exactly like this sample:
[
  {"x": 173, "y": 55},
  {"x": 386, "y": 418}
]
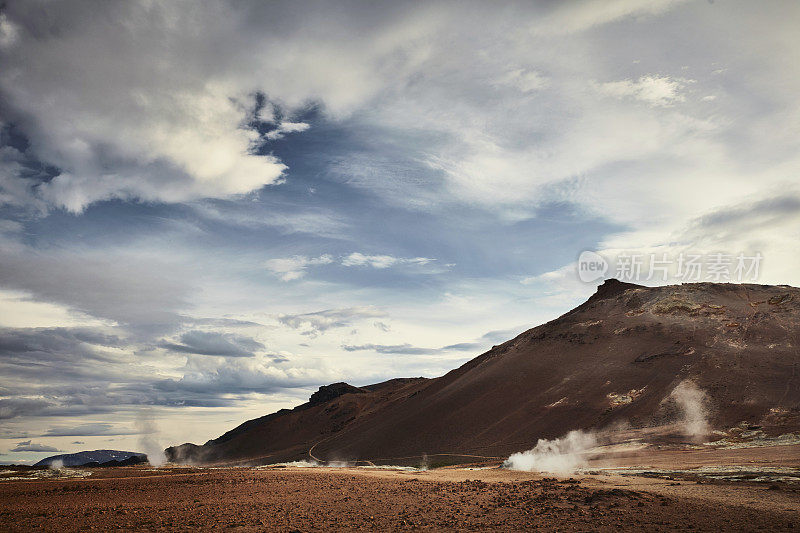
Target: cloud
[
  {"x": 574, "y": 17},
  {"x": 295, "y": 267},
  {"x": 14, "y": 407},
  {"x": 655, "y": 90},
  {"x": 239, "y": 375},
  {"x": 112, "y": 123},
  {"x": 287, "y": 127},
  {"x": 221, "y": 322},
  {"x": 321, "y": 321},
  {"x": 409, "y": 349},
  {"x": 523, "y": 80},
  {"x": 292, "y": 268},
  {"x": 215, "y": 343},
  {"x": 116, "y": 126},
  {"x": 270, "y": 212},
  {"x": 382, "y": 261},
  {"x": 127, "y": 286},
  {"x": 8, "y": 31},
  {"x": 406, "y": 349},
  {"x": 486, "y": 340},
  {"x": 750, "y": 217},
  {"x": 28, "y": 446},
  {"x": 432, "y": 130},
  {"x": 86, "y": 430},
  {"x": 52, "y": 340}
]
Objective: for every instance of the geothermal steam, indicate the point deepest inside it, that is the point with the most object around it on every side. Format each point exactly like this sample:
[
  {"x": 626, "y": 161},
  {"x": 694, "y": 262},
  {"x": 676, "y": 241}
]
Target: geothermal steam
[
  {"x": 558, "y": 456},
  {"x": 692, "y": 402},
  {"x": 567, "y": 454},
  {"x": 148, "y": 438}
]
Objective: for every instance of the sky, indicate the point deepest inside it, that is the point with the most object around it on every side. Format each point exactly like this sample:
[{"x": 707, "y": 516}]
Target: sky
[{"x": 208, "y": 210}]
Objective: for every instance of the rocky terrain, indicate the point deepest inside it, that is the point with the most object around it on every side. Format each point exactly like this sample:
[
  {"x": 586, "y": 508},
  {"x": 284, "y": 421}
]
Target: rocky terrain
[
  {"x": 325, "y": 499},
  {"x": 678, "y": 364}
]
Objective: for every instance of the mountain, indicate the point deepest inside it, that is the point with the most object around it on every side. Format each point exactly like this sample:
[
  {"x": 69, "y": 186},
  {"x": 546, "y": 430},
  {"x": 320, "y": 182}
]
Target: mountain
[
  {"x": 94, "y": 458},
  {"x": 617, "y": 358},
  {"x": 288, "y": 434}
]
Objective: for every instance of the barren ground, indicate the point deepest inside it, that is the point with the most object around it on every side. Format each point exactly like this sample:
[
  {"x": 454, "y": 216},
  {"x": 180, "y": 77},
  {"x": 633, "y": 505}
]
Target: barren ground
[{"x": 477, "y": 498}]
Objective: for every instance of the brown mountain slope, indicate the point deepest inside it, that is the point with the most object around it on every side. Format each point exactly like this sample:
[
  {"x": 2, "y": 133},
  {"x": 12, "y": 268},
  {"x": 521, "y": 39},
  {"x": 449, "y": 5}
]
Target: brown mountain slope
[
  {"x": 617, "y": 357},
  {"x": 289, "y": 433}
]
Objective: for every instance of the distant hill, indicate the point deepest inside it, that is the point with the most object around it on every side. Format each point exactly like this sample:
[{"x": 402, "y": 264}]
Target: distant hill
[
  {"x": 617, "y": 358},
  {"x": 95, "y": 458}
]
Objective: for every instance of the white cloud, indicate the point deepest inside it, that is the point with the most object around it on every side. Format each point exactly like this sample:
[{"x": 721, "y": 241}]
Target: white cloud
[
  {"x": 159, "y": 111},
  {"x": 295, "y": 267},
  {"x": 287, "y": 127},
  {"x": 654, "y": 90},
  {"x": 292, "y": 268},
  {"x": 382, "y": 261}
]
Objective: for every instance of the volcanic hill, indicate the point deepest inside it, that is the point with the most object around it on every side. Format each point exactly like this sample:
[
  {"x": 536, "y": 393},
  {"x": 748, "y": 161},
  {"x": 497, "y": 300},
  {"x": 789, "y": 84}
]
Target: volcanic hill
[
  {"x": 617, "y": 358},
  {"x": 103, "y": 458}
]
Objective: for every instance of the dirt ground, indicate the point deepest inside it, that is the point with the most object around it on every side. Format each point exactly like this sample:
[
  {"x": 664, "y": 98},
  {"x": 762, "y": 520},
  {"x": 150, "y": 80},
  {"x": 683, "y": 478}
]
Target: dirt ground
[{"x": 466, "y": 498}]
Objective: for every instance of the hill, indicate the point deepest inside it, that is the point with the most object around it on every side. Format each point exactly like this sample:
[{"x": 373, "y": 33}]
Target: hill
[
  {"x": 629, "y": 355},
  {"x": 94, "y": 458}
]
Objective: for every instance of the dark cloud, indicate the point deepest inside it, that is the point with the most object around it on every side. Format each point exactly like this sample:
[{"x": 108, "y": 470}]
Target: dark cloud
[
  {"x": 51, "y": 340},
  {"x": 143, "y": 294},
  {"x": 214, "y": 343},
  {"x": 755, "y": 214},
  {"x": 749, "y": 223},
  {"x": 13, "y": 407}
]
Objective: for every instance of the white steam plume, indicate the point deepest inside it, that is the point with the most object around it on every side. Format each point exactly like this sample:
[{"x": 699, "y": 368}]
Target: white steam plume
[
  {"x": 56, "y": 464},
  {"x": 692, "y": 402},
  {"x": 148, "y": 438},
  {"x": 558, "y": 456}
]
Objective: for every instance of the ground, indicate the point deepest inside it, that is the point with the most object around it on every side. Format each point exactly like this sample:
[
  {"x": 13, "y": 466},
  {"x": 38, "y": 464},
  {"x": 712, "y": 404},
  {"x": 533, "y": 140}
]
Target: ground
[{"x": 668, "y": 490}]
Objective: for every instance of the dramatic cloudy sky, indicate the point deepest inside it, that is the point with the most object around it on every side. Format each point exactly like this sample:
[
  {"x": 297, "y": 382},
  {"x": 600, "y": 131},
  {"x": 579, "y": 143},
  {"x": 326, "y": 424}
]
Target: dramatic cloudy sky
[{"x": 208, "y": 210}]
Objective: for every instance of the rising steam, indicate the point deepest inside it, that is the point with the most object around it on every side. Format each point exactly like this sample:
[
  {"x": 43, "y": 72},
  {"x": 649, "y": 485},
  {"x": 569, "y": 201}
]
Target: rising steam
[
  {"x": 148, "y": 437},
  {"x": 569, "y": 453},
  {"x": 692, "y": 401},
  {"x": 558, "y": 456}
]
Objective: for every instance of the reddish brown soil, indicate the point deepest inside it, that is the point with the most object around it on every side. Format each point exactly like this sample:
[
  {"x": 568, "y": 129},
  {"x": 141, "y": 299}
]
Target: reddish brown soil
[{"x": 294, "y": 499}]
